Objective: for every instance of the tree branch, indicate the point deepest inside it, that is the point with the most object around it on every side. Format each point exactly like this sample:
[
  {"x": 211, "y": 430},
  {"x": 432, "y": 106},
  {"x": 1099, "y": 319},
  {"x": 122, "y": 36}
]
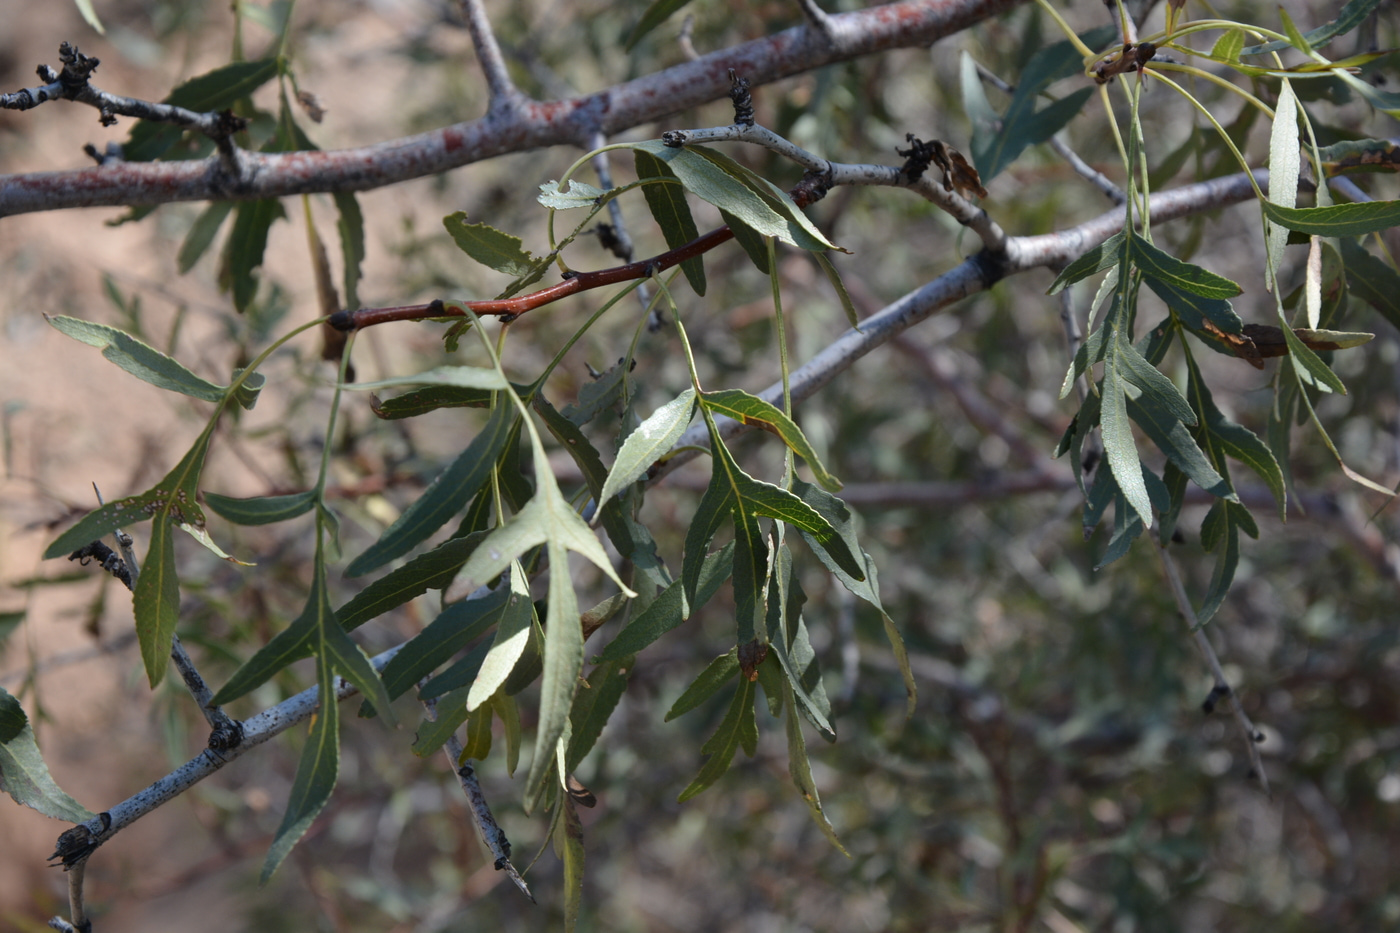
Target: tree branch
[
  {"x": 532, "y": 124},
  {"x": 505, "y": 96},
  {"x": 73, "y": 83},
  {"x": 1222, "y": 688},
  {"x": 975, "y": 274},
  {"x": 82, "y": 840}
]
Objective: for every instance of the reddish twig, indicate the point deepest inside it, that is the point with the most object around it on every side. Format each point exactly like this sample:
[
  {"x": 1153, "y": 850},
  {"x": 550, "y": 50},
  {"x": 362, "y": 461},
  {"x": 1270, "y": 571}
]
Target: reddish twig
[{"x": 513, "y": 307}]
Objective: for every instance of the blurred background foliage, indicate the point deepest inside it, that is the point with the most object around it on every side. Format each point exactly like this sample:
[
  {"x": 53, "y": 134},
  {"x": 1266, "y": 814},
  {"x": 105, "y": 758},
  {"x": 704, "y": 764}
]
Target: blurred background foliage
[{"x": 1058, "y": 774}]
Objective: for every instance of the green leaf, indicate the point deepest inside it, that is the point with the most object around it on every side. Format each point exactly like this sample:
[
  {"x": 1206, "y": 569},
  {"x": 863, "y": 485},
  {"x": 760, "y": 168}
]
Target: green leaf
[
  {"x": 800, "y": 768},
  {"x": 1364, "y": 155},
  {"x": 143, "y": 362},
  {"x": 489, "y": 246},
  {"x": 291, "y": 644},
  {"x": 309, "y": 633},
  {"x": 1220, "y": 532},
  {"x": 631, "y": 540},
  {"x": 478, "y": 743},
  {"x": 752, "y": 243},
  {"x": 670, "y": 609},
  {"x": 834, "y": 277},
  {"x": 1153, "y": 385},
  {"x": 1178, "y": 275},
  {"x": 432, "y": 570},
  {"x": 787, "y": 635},
  {"x": 23, "y": 774},
  {"x": 1111, "y": 252},
  {"x": 316, "y": 772},
  {"x": 578, "y": 194},
  {"x": 351, "y": 227},
  {"x": 653, "y": 438},
  {"x": 1386, "y": 101},
  {"x": 865, "y": 586},
  {"x": 655, "y": 15},
  {"x": 1235, "y": 440},
  {"x": 1228, "y": 47},
  {"x": 547, "y": 519},
  {"x": 711, "y": 176},
  {"x": 666, "y": 200},
  {"x": 750, "y": 565},
  {"x": 1308, "y": 365},
  {"x": 431, "y": 398},
  {"x": 1351, "y": 16},
  {"x": 1117, "y": 431},
  {"x": 246, "y": 389},
  {"x": 738, "y": 726},
  {"x": 511, "y": 636},
  {"x": 568, "y": 842},
  {"x": 157, "y": 602},
  {"x": 247, "y": 242},
  {"x": 104, "y": 521},
  {"x": 202, "y": 234},
  {"x": 1339, "y": 220},
  {"x": 1284, "y": 166},
  {"x": 456, "y": 626},
  {"x": 1372, "y": 280},
  {"x": 1194, "y": 310},
  {"x": 460, "y": 674},
  {"x": 593, "y": 707},
  {"x": 432, "y": 734},
  {"x": 1022, "y": 125},
  {"x": 215, "y": 90},
  {"x": 801, "y": 231},
  {"x": 263, "y": 510},
  {"x": 715, "y": 675},
  {"x": 1171, "y": 436},
  {"x": 769, "y": 501},
  {"x": 563, "y": 661},
  {"x": 445, "y": 497},
  {"x": 751, "y": 410},
  {"x": 463, "y": 377}
]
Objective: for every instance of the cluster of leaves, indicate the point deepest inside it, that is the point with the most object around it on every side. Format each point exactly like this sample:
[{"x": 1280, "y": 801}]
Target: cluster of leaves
[
  {"x": 491, "y": 640},
  {"x": 511, "y": 530},
  {"x": 1196, "y": 438}
]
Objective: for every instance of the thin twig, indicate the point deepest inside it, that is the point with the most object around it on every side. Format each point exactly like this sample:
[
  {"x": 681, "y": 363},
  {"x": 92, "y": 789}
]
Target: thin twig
[
  {"x": 828, "y": 173},
  {"x": 622, "y": 247},
  {"x": 506, "y": 98},
  {"x": 73, "y": 83},
  {"x": 684, "y": 40},
  {"x": 1222, "y": 688},
  {"x": 837, "y": 173},
  {"x": 1084, "y": 169},
  {"x": 486, "y": 825}
]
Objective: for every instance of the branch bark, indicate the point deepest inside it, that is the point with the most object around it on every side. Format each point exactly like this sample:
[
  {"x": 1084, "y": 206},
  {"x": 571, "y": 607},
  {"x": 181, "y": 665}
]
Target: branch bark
[{"x": 530, "y": 125}]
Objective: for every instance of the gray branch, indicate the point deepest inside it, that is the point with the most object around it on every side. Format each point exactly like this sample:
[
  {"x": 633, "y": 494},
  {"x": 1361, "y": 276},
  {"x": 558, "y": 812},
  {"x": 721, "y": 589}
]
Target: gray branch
[
  {"x": 505, "y": 96},
  {"x": 78, "y": 843},
  {"x": 530, "y": 125},
  {"x": 975, "y": 274}
]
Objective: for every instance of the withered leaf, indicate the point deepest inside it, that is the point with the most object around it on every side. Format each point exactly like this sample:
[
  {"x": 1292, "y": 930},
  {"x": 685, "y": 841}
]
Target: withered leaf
[
  {"x": 1262, "y": 341},
  {"x": 958, "y": 173}
]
